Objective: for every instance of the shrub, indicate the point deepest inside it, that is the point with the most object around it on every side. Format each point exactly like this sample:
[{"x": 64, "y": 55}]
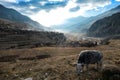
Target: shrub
[
  {"x": 111, "y": 73},
  {"x": 8, "y": 58}
]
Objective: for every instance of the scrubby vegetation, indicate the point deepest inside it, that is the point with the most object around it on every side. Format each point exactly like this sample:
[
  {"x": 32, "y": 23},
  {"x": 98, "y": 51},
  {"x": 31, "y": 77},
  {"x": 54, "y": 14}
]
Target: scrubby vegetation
[
  {"x": 111, "y": 72},
  {"x": 58, "y": 63}
]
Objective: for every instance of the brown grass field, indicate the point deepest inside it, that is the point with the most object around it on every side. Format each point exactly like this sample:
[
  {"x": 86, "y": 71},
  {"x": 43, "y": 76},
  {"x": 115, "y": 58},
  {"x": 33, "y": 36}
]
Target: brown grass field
[{"x": 60, "y": 65}]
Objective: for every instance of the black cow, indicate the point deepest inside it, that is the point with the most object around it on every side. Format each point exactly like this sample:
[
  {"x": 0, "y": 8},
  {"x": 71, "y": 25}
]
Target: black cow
[{"x": 87, "y": 57}]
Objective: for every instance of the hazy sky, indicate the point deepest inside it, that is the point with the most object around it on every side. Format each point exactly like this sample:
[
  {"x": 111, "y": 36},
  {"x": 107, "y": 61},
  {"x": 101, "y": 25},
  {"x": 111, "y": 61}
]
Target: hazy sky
[{"x": 55, "y": 12}]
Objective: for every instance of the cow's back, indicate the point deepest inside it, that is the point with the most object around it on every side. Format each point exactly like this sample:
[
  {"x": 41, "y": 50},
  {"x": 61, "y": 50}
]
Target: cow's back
[{"x": 90, "y": 56}]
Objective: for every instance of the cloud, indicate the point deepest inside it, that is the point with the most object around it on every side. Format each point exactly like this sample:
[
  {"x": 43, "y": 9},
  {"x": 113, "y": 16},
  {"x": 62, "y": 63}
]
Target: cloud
[
  {"x": 74, "y": 9},
  {"x": 34, "y": 6},
  {"x": 117, "y": 0},
  {"x": 44, "y": 4},
  {"x": 14, "y": 1},
  {"x": 93, "y": 3},
  {"x": 7, "y": 0},
  {"x": 30, "y": 6},
  {"x": 55, "y": 11}
]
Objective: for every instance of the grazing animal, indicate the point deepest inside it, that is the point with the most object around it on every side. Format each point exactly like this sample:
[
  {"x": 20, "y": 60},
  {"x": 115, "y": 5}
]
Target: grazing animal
[{"x": 87, "y": 57}]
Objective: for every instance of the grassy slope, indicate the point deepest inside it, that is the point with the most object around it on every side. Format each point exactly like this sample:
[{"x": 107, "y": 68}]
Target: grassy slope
[{"x": 58, "y": 67}]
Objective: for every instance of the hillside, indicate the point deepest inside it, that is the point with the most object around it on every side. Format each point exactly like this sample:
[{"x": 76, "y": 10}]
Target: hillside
[
  {"x": 13, "y": 15},
  {"x": 15, "y": 35},
  {"x": 108, "y": 26},
  {"x": 15, "y": 25},
  {"x": 59, "y": 65}
]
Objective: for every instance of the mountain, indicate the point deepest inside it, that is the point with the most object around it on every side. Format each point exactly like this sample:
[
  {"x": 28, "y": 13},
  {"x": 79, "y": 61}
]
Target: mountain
[
  {"x": 89, "y": 21},
  {"x": 93, "y": 19},
  {"x": 108, "y": 26},
  {"x": 13, "y": 15},
  {"x": 82, "y": 24}
]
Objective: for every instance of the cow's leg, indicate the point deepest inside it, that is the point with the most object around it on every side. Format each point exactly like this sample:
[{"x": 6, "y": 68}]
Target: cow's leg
[
  {"x": 87, "y": 66},
  {"x": 100, "y": 64},
  {"x": 97, "y": 66},
  {"x": 82, "y": 68}
]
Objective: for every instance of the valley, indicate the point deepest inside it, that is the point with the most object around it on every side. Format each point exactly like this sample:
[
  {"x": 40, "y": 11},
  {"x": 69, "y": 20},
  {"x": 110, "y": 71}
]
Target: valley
[{"x": 32, "y": 51}]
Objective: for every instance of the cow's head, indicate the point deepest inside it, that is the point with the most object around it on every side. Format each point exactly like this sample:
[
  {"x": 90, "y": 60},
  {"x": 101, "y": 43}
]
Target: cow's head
[{"x": 79, "y": 67}]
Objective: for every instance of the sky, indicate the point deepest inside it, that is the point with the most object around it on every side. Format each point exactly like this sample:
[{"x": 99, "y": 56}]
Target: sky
[{"x": 56, "y": 12}]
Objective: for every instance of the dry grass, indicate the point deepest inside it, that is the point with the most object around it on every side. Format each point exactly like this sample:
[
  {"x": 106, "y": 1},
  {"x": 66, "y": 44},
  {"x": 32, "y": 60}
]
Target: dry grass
[{"x": 60, "y": 66}]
